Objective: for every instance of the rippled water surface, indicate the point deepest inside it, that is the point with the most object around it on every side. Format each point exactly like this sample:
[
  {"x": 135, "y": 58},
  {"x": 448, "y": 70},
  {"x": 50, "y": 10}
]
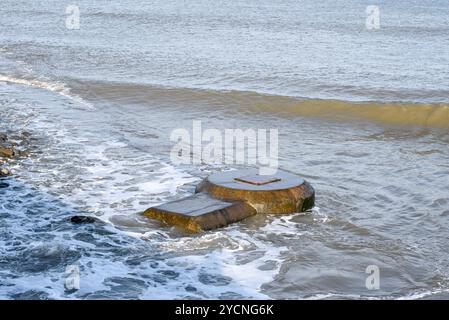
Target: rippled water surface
[{"x": 361, "y": 115}]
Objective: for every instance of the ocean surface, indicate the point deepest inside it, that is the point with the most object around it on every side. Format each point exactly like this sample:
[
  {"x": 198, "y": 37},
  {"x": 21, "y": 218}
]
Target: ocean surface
[{"x": 362, "y": 114}]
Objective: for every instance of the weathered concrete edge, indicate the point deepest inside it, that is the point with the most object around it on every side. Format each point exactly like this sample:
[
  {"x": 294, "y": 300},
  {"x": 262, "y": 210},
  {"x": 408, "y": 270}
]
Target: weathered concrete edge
[
  {"x": 237, "y": 211},
  {"x": 283, "y": 201}
]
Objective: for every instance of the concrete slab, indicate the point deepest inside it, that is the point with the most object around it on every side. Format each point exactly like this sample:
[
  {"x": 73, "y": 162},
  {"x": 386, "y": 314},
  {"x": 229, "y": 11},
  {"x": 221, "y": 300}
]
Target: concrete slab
[{"x": 200, "y": 212}]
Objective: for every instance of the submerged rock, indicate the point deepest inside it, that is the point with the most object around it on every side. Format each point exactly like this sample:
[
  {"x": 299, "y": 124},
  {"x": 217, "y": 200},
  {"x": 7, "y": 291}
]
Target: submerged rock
[
  {"x": 12, "y": 146},
  {"x": 4, "y": 172},
  {"x": 84, "y": 220},
  {"x": 6, "y": 147}
]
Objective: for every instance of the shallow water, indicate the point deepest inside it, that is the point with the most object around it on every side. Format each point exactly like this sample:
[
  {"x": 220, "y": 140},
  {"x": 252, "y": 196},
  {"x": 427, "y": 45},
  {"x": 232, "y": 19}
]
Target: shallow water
[{"x": 101, "y": 102}]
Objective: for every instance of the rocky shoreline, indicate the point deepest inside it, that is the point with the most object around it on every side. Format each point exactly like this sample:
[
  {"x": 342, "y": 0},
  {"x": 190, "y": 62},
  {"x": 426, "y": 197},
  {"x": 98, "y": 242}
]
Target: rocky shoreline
[{"x": 13, "y": 145}]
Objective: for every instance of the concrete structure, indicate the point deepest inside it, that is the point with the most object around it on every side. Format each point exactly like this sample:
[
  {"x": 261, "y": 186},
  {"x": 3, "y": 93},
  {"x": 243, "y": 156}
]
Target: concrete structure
[
  {"x": 231, "y": 196},
  {"x": 283, "y": 192}
]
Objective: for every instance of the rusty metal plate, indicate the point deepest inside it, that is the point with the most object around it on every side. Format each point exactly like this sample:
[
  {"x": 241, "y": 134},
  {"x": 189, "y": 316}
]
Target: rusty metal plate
[{"x": 258, "y": 180}]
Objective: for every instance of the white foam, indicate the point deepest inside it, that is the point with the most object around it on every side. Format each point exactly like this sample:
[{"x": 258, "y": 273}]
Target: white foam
[
  {"x": 98, "y": 175},
  {"x": 411, "y": 296},
  {"x": 56, "y": 87},
  {"x": 423, "y": 294},
  {"x": 319, "y": 216},
  {"x": 283, "y": 225},
  {"x": 230, "y": 257}
]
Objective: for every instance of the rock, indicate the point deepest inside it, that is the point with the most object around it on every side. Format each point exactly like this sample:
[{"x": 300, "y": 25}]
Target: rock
[
  {"x": 7, "y": 152},
  {"x": 200, "y": 212},
  {"x": 14, "y": 145},
  {"x": 4, "y": 172},
  {"x": 83, "y": 219},
  {"x": 8, "y": 149}
]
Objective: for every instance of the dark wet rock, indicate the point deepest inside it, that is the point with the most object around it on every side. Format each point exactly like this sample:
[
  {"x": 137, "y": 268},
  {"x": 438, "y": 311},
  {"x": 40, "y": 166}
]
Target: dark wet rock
[
  {"x": 84, "y": 220},
  {"x": 3, "y": 137}
]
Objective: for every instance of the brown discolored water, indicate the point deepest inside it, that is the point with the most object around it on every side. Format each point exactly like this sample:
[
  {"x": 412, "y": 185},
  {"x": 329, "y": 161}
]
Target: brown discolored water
[{"x": 102, "y": 102}]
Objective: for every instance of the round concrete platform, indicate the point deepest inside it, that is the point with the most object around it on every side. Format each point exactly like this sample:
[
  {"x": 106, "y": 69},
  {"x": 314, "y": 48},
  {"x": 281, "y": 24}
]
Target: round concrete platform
[{"x": 282, "y": 192}]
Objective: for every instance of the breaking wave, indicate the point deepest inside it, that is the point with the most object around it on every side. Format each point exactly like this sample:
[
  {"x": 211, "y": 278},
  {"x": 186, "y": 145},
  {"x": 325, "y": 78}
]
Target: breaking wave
[
  {"x": 57, "y": 87},
  {"x": 391, "y": 113}
]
